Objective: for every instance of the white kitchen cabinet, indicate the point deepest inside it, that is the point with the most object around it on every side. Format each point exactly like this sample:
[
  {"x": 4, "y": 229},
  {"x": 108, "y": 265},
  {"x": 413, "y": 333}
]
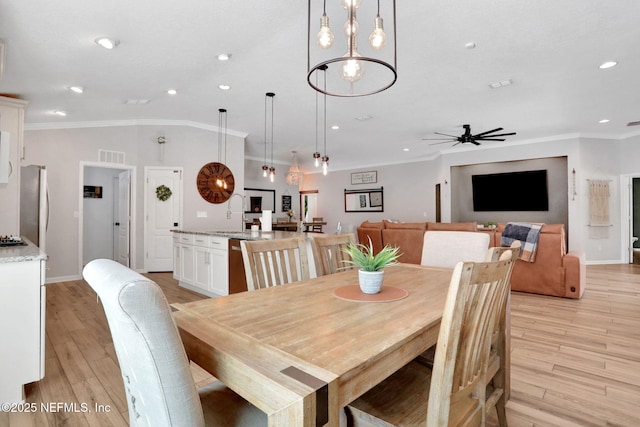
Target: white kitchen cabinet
[
  {"x": 219, "y": 266},
  {"x": 187, "y": 263},
  {"x": 201, "y": 263},
  {"x": 22, "y": 321},
  {"x": 202, "y": 268}
]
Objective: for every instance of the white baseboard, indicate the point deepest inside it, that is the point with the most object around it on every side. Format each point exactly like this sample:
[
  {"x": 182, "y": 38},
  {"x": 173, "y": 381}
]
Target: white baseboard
[
  {"x": 602, "y": 262},
  {"x": 62, "y": 279}
]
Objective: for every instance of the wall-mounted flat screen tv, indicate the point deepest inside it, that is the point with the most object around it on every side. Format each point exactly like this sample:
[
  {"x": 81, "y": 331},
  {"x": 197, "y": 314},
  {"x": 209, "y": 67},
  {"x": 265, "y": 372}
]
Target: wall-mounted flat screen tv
[{"x": 512, "y": 191}]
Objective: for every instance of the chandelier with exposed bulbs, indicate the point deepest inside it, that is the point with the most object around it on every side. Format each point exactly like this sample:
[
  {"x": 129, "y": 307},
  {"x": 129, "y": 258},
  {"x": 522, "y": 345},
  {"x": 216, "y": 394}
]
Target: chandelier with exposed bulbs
[{"x": 354, "y": 69}]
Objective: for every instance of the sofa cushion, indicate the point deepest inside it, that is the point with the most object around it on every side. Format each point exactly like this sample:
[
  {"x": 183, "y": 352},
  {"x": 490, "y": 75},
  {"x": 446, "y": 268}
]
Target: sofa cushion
[
  {"x": 406, "y": 225},
  {"x": 367, "y": 224},
  {"x": 452, "y": 226},
  {"x": 409, "y": 240}
]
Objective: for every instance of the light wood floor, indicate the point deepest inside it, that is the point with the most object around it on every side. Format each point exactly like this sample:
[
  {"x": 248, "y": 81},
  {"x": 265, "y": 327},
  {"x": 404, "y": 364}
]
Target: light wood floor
[{"x": 574, "y": 362}]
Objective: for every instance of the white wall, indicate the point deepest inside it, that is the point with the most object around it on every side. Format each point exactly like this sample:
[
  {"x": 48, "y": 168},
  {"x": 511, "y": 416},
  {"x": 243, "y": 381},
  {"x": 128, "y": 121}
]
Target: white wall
[
  {"x": 62, "y": 150},
  {"x": 254, "y": 179},
  {"x": 409, "y": 194}
]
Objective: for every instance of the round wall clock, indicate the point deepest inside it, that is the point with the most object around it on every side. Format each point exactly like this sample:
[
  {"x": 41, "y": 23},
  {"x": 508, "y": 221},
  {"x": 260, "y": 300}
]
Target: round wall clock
[{"x": 215, "y": 182}]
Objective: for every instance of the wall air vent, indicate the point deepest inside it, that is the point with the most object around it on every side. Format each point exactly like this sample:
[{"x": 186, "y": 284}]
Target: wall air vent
[
  {"x": 107, "y": 156},
  {"x": 636, "y": 123}
]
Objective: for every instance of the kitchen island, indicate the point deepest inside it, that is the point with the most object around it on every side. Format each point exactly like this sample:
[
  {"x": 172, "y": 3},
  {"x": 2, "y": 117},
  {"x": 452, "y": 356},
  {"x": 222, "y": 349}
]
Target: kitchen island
[
  {"x": 210, "y": 262},
  {"x": 22, "y": 318}
]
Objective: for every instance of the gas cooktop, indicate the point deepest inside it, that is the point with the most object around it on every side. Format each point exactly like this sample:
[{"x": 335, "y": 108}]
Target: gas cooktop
[{"x": 11, "y": 241}]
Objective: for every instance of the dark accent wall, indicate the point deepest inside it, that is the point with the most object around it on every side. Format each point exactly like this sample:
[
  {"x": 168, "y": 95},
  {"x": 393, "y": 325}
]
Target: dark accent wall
[{"x": 557, "y": 181}]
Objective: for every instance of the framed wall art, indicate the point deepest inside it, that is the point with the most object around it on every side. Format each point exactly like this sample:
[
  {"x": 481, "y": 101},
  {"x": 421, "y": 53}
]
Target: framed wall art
[{"x": 370, "y": 177}]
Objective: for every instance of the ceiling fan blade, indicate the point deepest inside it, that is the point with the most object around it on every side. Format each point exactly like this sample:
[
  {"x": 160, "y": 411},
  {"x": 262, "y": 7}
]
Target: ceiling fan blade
[
  {"x": 497, "y": 134},
  {"x": 486, "y": 132},
  {"x": 459, "y": 142},
  {"x": 442, "y": 142},
  {"x": 446, "y": 134},
  {"x": 490, "y": 139},
  {"x": 438, "y": 139},
  {"x": 474, "y": 142}
]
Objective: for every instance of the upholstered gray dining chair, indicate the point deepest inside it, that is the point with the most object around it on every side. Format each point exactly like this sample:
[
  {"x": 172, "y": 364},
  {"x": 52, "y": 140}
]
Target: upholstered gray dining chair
[
  {"x": 447, "y": 248},
  {"x": 159, "y": 386}
]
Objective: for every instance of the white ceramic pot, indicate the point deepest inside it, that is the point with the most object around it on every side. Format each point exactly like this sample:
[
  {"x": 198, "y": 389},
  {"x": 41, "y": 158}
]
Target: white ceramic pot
[{"x": 370, "y": 281}]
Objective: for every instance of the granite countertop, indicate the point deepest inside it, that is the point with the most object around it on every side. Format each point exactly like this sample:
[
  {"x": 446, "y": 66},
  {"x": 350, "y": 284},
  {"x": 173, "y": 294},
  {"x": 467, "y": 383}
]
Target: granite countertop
[
  {"x": 247, "y": 235},
  {"x": 21, "y": 253}
]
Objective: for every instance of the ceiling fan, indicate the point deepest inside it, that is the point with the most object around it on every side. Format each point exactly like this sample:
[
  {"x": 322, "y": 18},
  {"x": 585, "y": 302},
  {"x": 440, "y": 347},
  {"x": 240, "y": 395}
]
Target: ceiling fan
[{"x": 468, "y": 137}]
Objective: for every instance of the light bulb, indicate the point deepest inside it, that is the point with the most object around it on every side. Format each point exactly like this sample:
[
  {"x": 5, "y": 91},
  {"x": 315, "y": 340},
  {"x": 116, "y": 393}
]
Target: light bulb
[
  {"x": 316, "y": 157},
  {"x": 272, "y": 174},
  {"x": 351, "y": 27},
  {"x": 265, "y": 169},
  {"x": 348, "y": 3},
  {"x": 325, "y": 35},
  {"x": 325, "y": 165},
  {"x": 378, "y": 38},
  {"x": 317, "y": 163},
  {"x": 352, "y": 69}
]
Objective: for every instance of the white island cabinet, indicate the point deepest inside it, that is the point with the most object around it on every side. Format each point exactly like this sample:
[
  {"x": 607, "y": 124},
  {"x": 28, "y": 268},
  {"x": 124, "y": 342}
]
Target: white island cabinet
[
  {"x": 200, "y": 263},
  {"x": 22, "y": 319}
]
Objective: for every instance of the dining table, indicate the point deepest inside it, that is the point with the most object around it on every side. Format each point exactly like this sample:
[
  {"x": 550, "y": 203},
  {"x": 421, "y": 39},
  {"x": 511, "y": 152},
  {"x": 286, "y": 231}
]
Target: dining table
[{"x": 301, "y": 351}]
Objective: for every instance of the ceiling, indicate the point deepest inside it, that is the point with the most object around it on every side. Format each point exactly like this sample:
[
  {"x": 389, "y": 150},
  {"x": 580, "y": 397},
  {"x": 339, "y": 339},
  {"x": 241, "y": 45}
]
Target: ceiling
[{"x": 550, "y": 49}]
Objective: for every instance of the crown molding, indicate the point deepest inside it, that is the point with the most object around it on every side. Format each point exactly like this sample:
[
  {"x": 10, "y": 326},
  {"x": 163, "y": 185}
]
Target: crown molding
[{"x": 119, "y": 123}]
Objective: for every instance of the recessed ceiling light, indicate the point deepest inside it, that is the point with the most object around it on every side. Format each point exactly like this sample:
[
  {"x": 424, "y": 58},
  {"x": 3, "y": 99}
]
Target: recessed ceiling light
[
  {"x": 136, "y": 101},
  {"x": 335, "y": 127},
  {"x": 470, "y": 45},
  {"x": 106, "y": 42},
  {"x": 224, "y": 57},
  {"x": 405, "y": 149},
  {"x": 501, "y": 83},
  {"x": 608, "y": 64},
  {"x": 604, "y": 121},
  {"x": 364, "y": 117},
  {"x": 60, "y": 113},
  {"x": 76, "y": 89},
  {"x": 172, "y": 91},
  {"x": 224, "y": 87}
]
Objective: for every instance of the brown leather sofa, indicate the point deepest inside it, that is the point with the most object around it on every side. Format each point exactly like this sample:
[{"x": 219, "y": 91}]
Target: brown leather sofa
[{"x": 554, "y": 272}]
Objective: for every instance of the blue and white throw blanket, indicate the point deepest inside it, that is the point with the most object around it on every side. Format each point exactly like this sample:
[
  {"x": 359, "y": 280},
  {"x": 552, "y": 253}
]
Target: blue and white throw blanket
[{"x": 527, "y": 233}]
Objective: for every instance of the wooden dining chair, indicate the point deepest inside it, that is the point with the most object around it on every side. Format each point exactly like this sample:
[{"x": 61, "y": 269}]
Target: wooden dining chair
[
  {"x": 328, "y": 255},
  {"x": 497, "y": 379},
  {"x": 274, "y": 262},
  {"x": 159, "y": 387},
  {"x": 447, "y": 248},
  {"x": 454, "y": 392}
]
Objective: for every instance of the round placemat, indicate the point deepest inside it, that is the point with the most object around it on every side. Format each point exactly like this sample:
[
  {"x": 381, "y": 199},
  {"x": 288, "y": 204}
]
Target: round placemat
[{"x": 353, "y": 293}]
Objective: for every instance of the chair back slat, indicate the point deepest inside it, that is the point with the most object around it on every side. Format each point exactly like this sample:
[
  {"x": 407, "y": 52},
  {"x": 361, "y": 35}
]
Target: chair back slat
[
  {"x": 328, "y": 255},
  {"x": 274, "y": 262}
]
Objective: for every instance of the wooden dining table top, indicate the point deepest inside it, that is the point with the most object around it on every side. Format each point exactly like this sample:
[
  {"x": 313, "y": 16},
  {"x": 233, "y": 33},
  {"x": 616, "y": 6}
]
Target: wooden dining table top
[{"x": 349, "y": 345}]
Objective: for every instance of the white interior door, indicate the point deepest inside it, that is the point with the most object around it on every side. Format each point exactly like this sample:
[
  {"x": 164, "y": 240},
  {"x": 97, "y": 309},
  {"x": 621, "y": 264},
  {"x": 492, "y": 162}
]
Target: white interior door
[
  {"x": 124, "y": 218},
  {"x": 161, "y": 217}
]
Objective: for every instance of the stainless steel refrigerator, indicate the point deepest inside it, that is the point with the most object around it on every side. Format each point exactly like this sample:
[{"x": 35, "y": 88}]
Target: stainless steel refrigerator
[{"x": 34, "y": 204}]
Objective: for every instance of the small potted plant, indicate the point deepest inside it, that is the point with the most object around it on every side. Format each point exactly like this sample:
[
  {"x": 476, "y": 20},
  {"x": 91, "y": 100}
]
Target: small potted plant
[{"x": 371, "y": 266}]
